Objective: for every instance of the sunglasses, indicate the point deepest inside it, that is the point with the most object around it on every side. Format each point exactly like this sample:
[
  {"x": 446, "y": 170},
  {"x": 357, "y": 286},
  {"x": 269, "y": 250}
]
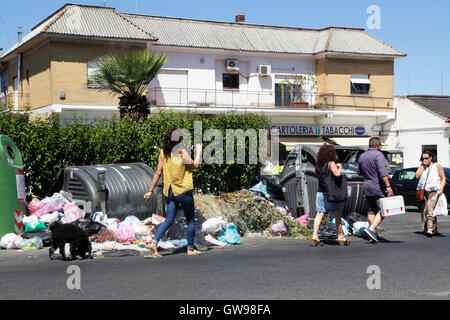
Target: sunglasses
[{"x": 424, "y": 158}]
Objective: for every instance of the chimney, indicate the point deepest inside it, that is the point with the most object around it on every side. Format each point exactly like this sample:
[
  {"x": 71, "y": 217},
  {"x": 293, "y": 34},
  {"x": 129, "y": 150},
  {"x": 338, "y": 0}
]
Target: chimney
[
  {"x": 1, "y": 52},
  {"x": 240, "y": 18},
  {"x": 19, "y": 32}
]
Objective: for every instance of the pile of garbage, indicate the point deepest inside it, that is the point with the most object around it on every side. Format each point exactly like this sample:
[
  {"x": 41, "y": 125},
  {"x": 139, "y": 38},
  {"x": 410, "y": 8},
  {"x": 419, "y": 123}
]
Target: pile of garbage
[
  {"x": 259, "y": 211},
  {"x": 110, "y": 236}
]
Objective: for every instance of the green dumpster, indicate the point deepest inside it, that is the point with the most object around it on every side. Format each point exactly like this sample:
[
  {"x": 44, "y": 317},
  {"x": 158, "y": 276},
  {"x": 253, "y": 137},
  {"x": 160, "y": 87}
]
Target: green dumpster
[{"x": 12, "y": 188}]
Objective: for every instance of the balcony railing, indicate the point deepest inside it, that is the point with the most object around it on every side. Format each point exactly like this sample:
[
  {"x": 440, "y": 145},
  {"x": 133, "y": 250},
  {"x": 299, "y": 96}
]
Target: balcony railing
[
  {"x": 14, "y": 101},
  {"x": 234, "y": 98}
]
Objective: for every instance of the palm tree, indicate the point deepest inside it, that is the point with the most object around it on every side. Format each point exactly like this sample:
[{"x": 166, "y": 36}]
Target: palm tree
[{"x": 128, "y": 76}]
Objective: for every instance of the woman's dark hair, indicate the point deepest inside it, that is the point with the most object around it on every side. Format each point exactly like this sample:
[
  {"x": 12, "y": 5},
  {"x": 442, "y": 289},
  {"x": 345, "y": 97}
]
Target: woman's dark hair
[
  {"x": 430, "y": 154},
  {"x": 326, "y": 154},
  {"x": 168, "y": 143}
]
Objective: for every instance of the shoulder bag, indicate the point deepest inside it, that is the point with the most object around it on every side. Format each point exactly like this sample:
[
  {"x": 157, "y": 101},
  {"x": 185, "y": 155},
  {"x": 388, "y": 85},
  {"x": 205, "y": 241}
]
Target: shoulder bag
[
  {"x": 420, "y": 195},
  {"x": 336, "y": 187}
]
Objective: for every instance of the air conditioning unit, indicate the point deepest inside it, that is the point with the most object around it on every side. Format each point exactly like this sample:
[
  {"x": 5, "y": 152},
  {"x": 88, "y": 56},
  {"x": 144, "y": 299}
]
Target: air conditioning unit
[
  {"x": 264, "y": 70},
  {"x": 232, "y": 65}
]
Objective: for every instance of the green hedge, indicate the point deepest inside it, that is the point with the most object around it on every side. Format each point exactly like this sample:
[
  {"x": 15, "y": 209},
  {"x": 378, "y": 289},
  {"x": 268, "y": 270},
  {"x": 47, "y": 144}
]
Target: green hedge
[{"x": 47, "y": 146}]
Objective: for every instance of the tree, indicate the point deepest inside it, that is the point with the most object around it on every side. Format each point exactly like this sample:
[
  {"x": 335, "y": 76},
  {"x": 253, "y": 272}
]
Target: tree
[{"x": 128, "y": 76}]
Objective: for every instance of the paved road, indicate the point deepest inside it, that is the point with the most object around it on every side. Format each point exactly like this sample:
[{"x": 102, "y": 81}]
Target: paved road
[{"x": 412, "y": 267}]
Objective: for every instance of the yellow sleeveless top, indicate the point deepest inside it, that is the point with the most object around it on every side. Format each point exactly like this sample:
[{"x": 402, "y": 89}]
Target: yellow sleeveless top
[{"x": 176, "y": 175}]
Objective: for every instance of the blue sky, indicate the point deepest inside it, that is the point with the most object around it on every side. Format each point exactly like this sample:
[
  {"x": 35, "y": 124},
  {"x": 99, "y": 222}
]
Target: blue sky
[{"x": 419, "y": 28}]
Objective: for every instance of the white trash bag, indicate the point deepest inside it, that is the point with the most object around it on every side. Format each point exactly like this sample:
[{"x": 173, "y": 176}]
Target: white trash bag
[
  {"x": 441, "y": 206},
  {"x": 214, "y": 225},
  {"x": 11, "y": 241}
]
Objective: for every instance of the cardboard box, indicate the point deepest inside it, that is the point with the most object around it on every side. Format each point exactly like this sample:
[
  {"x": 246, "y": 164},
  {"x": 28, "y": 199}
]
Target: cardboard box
[{"x": 391, "y": 206}]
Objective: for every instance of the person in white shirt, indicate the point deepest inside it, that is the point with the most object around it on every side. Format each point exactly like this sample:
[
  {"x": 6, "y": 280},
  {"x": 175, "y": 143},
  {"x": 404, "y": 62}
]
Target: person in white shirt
[{"x": 432, "y": 181}]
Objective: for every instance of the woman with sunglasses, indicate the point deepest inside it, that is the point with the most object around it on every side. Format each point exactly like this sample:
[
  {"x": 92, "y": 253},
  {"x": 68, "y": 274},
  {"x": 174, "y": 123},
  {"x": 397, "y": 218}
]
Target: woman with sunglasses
[{"x": 432, "y": 181}]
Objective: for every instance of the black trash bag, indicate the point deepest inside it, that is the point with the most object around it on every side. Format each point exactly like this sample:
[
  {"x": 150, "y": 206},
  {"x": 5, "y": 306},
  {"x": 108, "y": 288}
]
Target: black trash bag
[
  {"x": 45, "y": 235},
  {"x": 89, "y": 226},
  {"x": 178, "y": 229},
  {"x": 327, "y": 231},
  {"x": 274, "y": 187}
]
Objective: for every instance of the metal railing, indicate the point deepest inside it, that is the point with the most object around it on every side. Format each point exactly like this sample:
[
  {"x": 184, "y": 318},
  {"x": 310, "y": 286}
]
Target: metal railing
[
  {"x": 13, "y": 101},
  {"x": 234, "y": 98}
]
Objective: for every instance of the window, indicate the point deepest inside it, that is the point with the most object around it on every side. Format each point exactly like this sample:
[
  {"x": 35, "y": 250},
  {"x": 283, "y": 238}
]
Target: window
[
  {"x": 359, "y": 84},
  {"x": 91, "y": 68},
  {"x": 285, "y": 95},
  {"x": 407, "y": 175},
  {"x": 230, "y": 80}
]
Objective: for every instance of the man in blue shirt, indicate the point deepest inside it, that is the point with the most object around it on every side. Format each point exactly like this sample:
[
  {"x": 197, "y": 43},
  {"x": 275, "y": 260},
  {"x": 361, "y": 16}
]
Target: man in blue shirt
[{"x": 372, "y": 166}]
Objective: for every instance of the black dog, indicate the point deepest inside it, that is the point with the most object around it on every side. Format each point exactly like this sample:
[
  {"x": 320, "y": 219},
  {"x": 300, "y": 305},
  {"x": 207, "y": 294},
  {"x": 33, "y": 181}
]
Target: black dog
[{"x": 69, "y": 233}]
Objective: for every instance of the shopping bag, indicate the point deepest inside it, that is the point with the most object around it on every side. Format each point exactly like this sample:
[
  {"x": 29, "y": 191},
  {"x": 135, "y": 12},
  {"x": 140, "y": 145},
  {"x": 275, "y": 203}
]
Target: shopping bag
[
  {"x": 441, "y": 206},
  {"x": 391, "y": 206}
]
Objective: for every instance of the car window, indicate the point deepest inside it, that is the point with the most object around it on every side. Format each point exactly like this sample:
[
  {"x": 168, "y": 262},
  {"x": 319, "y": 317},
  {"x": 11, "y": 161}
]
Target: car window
[{"x": 407, "y": 175}]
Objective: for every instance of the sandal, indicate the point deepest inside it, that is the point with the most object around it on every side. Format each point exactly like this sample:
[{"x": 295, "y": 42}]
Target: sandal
[
  {"x": 344, "y": 242},
  {"x": 153, "y": 253},
  {"x": 315, "y": 243},
  {"x": 193, "y": 252}
]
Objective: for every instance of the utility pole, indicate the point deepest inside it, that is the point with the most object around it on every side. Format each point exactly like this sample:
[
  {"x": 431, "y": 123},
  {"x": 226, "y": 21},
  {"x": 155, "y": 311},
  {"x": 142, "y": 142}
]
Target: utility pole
[
  {"x": 442, "y": 82},
  {"x": 136, "y": 6}
]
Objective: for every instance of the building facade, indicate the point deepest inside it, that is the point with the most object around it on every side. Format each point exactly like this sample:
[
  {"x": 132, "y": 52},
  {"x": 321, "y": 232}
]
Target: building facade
[
  {"x": 422, "y": 123},
  {"x": 346, "y": 93}
]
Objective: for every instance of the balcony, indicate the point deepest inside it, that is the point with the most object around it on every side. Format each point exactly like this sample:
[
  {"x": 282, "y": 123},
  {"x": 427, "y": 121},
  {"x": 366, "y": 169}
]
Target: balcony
[
  {"x": 14, "y": 101},
  {"x": 233, "y": 98}
]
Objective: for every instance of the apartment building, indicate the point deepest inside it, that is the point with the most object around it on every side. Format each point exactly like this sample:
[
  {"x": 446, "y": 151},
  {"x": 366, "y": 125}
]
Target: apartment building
[{"x": 213, "y": 67}]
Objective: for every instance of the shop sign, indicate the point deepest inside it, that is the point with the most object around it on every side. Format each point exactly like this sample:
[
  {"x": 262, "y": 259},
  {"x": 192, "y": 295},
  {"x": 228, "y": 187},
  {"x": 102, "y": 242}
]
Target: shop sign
[{"x": 320, "y": 130}]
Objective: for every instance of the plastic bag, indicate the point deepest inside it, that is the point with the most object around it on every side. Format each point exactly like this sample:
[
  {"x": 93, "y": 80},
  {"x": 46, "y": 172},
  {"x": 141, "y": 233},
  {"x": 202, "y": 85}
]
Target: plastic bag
[
  {"x": 230, "y": 235},
  {"x": 11, "y": 241},
  {"x": 33, "y": 224},
  {"x": 359, "y": 226},
  {"x": 261, "y": 188},
  {"x": 89, "y": 226},
  {"x": 138, "y": 227},
  {"x": 72, "y": 212},
  {"x": 278, "y": 227},
  {"x": 441, "y": 206},
  {"x": 57, "y": 201},
  {"x": 50, "y": 217},
  {"x": 32, "y": 244},
  {"x": 343, "y": 221},
  {"x": 39, "y": 208},
  {"x": 214, "y": 225},
  {"x": 45, "y": 235},
  {"x": 125, "y": 233},
  {"x": 303, "y": 220}
]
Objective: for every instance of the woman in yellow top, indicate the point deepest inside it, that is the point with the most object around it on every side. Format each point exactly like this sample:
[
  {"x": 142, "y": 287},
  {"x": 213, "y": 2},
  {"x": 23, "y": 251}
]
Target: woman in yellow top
[{"x": 176, "y": 164}]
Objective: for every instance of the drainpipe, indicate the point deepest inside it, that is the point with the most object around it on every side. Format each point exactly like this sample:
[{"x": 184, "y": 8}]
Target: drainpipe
[{"x": 19, "y": 66}]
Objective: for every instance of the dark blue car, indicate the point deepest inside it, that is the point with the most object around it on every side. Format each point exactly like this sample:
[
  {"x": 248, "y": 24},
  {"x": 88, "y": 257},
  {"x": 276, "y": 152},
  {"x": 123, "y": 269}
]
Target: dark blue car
[{"x": 404, "y": 182}]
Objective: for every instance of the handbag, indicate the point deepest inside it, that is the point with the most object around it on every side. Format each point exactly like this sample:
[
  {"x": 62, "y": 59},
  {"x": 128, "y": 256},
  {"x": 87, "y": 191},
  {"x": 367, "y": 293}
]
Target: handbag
[
  {"x": 420, "y": 195},
  {"x": 335, "y": 187}
]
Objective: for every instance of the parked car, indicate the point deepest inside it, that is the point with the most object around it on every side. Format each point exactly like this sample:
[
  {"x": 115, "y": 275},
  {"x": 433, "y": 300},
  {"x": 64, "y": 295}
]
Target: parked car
[
  {"x": 404, "y": 182},
  {"x": 394, "y": 159}
]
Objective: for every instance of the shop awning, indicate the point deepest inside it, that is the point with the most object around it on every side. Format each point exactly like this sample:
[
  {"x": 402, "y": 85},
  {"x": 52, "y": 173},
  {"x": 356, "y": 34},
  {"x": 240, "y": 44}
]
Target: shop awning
[
  {"x": 352, "y": 141},
  {"x": 291, "y": 142}
]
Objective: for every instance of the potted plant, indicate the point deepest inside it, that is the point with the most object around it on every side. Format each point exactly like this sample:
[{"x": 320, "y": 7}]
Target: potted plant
[{"x": 298, "y": 85}]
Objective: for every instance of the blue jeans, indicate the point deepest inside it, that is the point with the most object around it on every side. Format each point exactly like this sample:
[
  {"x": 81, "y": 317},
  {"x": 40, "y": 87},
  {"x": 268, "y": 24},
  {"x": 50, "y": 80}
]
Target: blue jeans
[{"x": 186, "y": 201}]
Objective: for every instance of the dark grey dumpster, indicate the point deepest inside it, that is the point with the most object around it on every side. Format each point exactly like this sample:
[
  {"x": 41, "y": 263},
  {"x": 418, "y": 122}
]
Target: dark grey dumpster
[
  {"x": 300, "y": 184},
  {"x": 115, "y": 189}
]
